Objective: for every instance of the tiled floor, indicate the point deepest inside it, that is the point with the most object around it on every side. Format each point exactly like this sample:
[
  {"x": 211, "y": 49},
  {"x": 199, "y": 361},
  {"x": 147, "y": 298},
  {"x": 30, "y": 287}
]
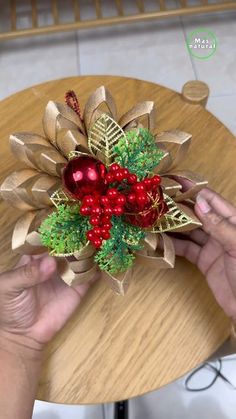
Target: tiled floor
[{"x": 154, "y": 51}]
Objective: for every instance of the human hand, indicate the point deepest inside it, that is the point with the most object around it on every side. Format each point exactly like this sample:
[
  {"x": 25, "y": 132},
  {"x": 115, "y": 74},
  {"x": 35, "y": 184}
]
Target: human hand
[
  {"x": 34, "y": 302},
  {"x": 213, "y": 247}
]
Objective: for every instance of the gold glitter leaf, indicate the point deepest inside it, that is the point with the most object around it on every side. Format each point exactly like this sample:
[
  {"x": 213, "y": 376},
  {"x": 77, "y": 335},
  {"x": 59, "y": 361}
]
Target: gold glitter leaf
[
  {"x": 176, "y": 219},
  {"x": 102, "y": 138},
  {"x": 59, "y": 197}
]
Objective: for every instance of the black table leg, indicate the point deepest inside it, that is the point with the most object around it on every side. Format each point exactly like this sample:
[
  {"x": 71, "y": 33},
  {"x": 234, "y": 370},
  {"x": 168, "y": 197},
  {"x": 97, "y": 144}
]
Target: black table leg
[{"x": 122, "y": 410}]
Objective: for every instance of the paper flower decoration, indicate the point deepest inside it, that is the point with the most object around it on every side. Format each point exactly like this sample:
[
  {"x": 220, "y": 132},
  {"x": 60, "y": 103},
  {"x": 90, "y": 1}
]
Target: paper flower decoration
[{"x": 99, "y": 192}]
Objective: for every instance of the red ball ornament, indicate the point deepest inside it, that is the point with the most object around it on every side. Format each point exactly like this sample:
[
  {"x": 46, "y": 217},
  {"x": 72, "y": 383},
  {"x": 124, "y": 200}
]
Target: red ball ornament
[
  {"x": 154, "y": 208},
  {"x": 84, "y": 175}
]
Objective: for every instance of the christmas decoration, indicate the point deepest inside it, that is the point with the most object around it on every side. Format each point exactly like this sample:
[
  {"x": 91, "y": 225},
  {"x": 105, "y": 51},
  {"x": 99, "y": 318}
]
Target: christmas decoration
[
  {"x": 84, "y": 175},
  {"x": 100, "y": 192}
]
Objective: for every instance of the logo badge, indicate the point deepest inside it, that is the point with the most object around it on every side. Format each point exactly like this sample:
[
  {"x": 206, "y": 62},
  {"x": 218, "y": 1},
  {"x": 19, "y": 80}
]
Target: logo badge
[{"x": 202, "y": 43}]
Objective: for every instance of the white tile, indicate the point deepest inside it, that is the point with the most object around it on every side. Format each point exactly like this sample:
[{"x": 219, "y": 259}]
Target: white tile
[
  {"x": 175, "y": 402},
  {"x": 43, "y": 410},
  {"x": 28, "y": 61},
  {"x": 224, "y": 108},
  {"x": 219, "y": 71},
  {"x": 147, "y": 51}
]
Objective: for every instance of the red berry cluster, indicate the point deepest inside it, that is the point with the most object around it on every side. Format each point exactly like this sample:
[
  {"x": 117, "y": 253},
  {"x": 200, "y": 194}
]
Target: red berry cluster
[
  {"x": 140, "y": 192},
  {"x": 100, "y": 209},
  {"x": 118, "y": 174}
]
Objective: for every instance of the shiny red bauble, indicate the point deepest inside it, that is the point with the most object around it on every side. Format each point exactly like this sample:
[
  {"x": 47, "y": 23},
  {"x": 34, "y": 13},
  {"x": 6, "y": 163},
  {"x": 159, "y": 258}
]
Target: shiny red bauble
[
  {"x": 153, "y": 209},
  {"x": 84, "y": 175}
]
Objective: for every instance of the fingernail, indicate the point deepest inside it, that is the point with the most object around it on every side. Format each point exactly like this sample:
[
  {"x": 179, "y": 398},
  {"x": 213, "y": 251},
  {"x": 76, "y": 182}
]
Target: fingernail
[
  {"x": 203, "y": 204},
  {"x": 47, "y": 265}
]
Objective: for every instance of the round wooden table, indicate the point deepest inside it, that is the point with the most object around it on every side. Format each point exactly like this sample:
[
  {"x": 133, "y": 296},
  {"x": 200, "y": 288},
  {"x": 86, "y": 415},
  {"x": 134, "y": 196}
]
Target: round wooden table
[{"x": 117, "y": 347}]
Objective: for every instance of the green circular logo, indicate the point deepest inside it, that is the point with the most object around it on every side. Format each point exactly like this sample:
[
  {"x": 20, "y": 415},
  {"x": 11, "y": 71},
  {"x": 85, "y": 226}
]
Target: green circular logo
[{"x": 201, "y": 43}]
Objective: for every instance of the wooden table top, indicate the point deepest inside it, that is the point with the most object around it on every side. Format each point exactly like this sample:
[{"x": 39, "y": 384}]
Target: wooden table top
[{"x": 119, "y": 347}]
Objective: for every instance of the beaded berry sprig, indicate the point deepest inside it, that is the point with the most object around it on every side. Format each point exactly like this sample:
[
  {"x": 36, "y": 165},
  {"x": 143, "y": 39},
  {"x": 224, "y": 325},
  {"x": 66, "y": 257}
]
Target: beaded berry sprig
[{"x": 125, "y": 194}]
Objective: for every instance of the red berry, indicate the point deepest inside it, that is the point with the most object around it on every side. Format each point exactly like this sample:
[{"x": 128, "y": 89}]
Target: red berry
[
  {"x": 89, "y": 200},
  {"x": 105, "y": 219},
  {"x": 114, "y": 167},
  {"x": 104, "y": 200},
  {"x": 139, "y": 187},
  {"x": 84, "y": 210},
  {"x": 106, "y": 234},
  {"x": 94, "y": 220},
  {"x": 109, "y": 178},
  {"x": 131, "y": 198},
  {"x": 108, "y": 210},
  {"x": 121, "y": 200},
  {"x": 96, "y": 210},
  {"x": 132, "y": 178},
  {"x": 112, "y": 193},
  {"x": 90, "y": 235},
  {"x": 125, "y": 173},
  {"x": 107, "y": 225},
  {"x": 156, "y": 180},
  {"x": 119, "y": 175},
  {"x": 118, "y": 211},
  {"x": 147, "y": 183},
  {"x": 141, "y": 198},
  {"x": 97, "y": 242},
  {"x": 97, "y": 231}
]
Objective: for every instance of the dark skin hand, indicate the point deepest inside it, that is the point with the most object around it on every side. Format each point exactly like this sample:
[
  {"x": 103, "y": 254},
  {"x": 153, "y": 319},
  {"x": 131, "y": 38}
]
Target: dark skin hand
[
  {"x": 213, "y": 247},
  {"x": 34, "y": 305}
]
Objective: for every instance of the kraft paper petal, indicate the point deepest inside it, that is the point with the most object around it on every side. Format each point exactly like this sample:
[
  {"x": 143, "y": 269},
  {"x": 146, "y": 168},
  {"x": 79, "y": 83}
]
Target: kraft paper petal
[
  {"x": 198, "y": 184},
  {"x": 25, "y": 241},
  {"x": 141, "y": 109},
  {"x": 119, "y": 283},
  {"x": 165, "y": 162},
  {"x": 170, "y": 186},
  {"x": 58, "y": 116},
  {"x": 86, "y": 252},
  {"x": 28, "y": 189},
  {"x": 73, "y": 278},
  {"x": 100, "y": 96},
  {"x": 150, "y": 256},
  {"x": 14, "y": 192},
  {"x": 42, "y": 190},
  {"x": 35, "y": 151},
  {"x": 181, "y": 142},
  {"x": 71, "y": 140}
]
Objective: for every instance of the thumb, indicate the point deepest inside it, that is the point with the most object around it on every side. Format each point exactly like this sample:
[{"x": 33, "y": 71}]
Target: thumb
[
  {"x": 30, "y": 274},
  {"x": 217, "y": 226}
]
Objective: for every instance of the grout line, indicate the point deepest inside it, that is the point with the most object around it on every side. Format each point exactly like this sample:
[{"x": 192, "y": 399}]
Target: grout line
[
  {"x": 190, "y": 56},
  {"x": 77, "y": 52},
  {"x": 224, "y": 95}
]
